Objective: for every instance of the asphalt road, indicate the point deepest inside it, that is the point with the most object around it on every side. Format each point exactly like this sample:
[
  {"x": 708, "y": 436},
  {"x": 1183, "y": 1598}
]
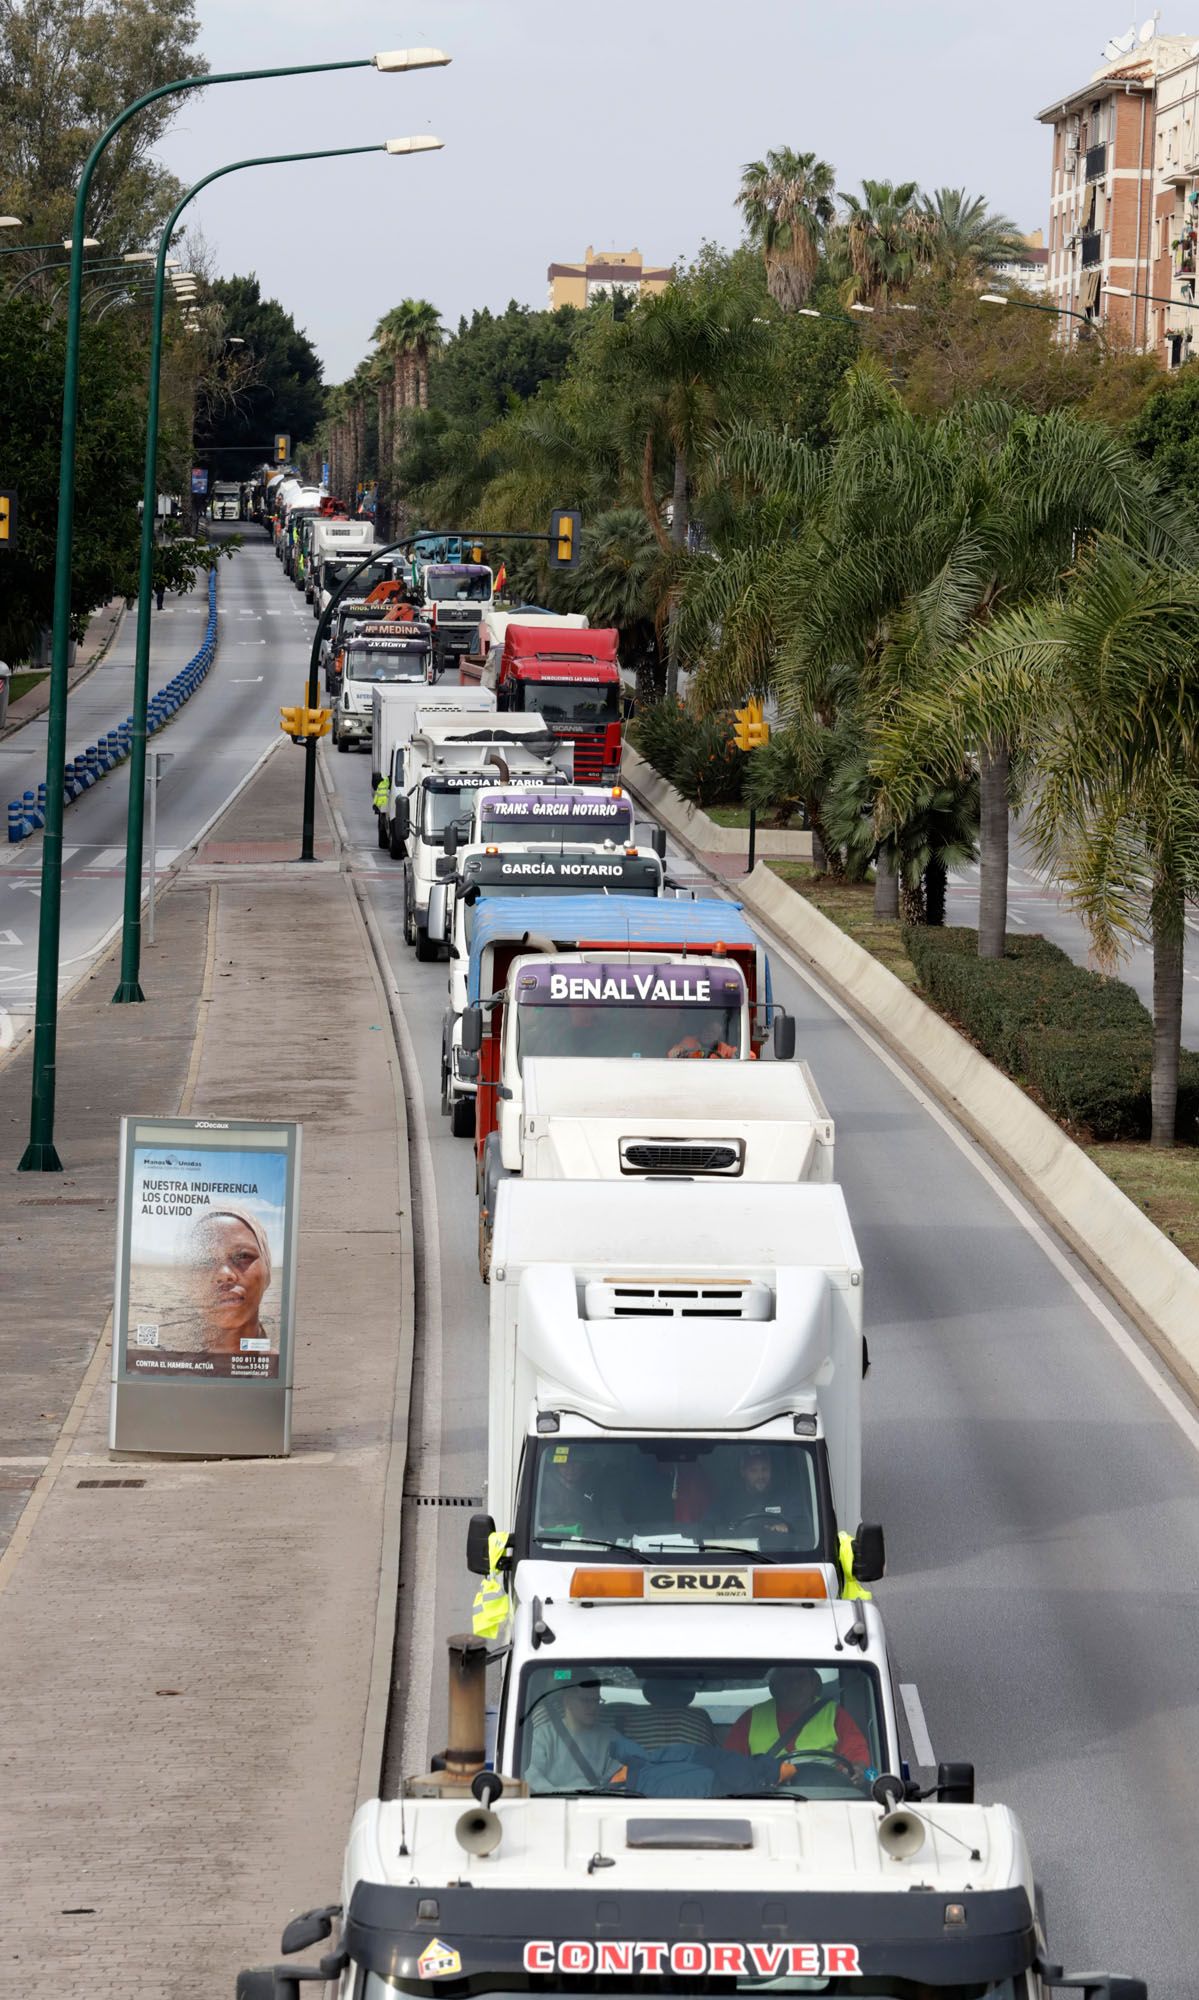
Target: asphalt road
[
  {"x": 1039, "y": 904},
  {"x": 214, "y": 740},
  {"x": 1037, "y": 1474}
]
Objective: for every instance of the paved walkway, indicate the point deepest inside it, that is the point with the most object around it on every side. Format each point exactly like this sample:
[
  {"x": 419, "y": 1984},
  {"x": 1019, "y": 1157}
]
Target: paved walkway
[
  {"x": 186, "y": 1662},
  {"x": 102, "y": 628}
]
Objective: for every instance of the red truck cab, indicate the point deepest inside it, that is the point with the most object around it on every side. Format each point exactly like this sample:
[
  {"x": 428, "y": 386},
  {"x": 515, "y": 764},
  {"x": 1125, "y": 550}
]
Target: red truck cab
[{"x": 572, "y": 679}]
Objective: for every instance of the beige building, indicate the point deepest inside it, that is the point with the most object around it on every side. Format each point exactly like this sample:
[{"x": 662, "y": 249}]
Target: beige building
[
  {"x": 602, "y": 272},
  {"x": 1121, "y": 213}
]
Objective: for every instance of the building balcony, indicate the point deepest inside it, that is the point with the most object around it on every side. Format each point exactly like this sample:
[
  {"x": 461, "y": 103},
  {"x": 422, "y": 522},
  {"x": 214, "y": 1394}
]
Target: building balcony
[
  {"x": 1096, "y": 162},
  {"x": 1092, "y": 248}
]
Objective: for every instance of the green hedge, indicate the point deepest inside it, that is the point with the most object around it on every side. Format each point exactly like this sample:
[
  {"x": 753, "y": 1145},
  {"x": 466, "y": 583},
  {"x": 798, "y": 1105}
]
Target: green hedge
[
  {"x": 694, "y": 752},
  {"x": 1084, "y": 1042}
]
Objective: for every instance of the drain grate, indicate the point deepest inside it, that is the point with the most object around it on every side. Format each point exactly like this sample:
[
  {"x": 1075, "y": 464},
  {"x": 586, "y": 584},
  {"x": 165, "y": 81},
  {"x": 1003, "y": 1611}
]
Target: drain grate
[
  {"x": 445, "y": 1499},
  {"x": 110, "y": 1482}
]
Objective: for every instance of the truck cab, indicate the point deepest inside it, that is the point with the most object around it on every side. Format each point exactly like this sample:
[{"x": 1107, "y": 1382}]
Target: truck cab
[
  {"x": 351, "y": 614},
  {"x": 669, "y": 1332},
  {"x": 376, "y": 654},
  {"x": 487, "y": 872},
  {"x": 572, "y": 679},
  {"x": 333, "y": 535},
  {"x": 454, "y": 597},
  {"x": 439, "y": 802}
]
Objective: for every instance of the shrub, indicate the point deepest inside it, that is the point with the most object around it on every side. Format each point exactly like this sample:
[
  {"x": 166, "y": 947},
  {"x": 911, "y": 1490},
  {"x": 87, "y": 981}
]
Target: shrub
[
  {"x": 1083, "y": 1041},
  {"x": 693, "y": 752},
  {"x": 661, "y": 734},
  {"x": 778, "y": 777}
]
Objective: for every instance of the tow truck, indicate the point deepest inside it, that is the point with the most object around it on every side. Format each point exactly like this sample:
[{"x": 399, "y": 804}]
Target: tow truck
[
  {"x": 572, "y": 679},
  {"x": 490, "y": 874},
  {"x": 351, "y": 613},
  {"x": 376, "y": 654},
  {"x": 673, "y": 1363},
  {"x": 823, "y": 1883}
]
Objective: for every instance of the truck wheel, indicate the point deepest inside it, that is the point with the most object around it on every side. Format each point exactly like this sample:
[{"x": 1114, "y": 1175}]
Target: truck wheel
[
  {"x": 485, "y": 1247},
  {"x": 381, "y": 829},
  {"x": 445, "y": 1088},
  {"x": 341, "y": 742},
  {"x": 462, "y": 1117},
  {"x": 427, "y": 948},
  {"x": 409, "y": 913},
  {"x": 395, "y": 844}
]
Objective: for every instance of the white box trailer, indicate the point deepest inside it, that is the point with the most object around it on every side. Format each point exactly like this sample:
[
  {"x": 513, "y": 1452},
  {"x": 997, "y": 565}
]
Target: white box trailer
[
  {"x": 673, "y": 1309},
  {"x": 652, "y": 1118},
  {"x": 394, "y": 712}
]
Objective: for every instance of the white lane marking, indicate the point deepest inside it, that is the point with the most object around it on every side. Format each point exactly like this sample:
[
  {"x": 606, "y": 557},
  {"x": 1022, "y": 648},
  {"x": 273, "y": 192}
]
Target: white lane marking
[
  {"x": 922, "y": 1742},
  {"x": 9, "y": 937},
  {"x": 108, "y": 857},
  {"x": 247, "y": 680},
  {"x": 1171, "y": 1401}
]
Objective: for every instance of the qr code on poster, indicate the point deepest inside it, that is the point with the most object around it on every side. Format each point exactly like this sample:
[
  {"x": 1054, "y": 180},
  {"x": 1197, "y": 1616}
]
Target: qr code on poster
[{"x": 145, "y": 1335}]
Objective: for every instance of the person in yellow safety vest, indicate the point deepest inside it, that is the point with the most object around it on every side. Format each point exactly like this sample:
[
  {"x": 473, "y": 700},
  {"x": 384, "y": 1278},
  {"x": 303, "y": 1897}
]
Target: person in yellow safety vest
[
  {"x": 491, "y": 1608},
  {"x": 851, "y": 1588},
  {"x": 801, "y": 1716},
  {"x": 382, "y": 794}
]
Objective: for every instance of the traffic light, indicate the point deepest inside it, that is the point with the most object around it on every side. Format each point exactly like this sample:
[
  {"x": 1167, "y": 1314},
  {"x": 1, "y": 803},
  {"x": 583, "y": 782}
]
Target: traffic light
[
  {"x": 302, "y": 722},
  {"x": 8, "y": 520},
  {"x": 566, "y": 533},
  {"x": 750, "y": 731},
  {"x": 474, "y": 553},
  {"x": 282, "y": 447}
]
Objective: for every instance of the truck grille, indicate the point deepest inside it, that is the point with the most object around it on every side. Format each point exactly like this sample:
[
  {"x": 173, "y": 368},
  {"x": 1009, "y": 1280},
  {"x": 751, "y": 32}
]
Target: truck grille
[
  {"x": 669, "y": 1156},
  {"x": 677, "y": 1298},
  {"x": 589, "y": 759},
  {"x": 459, "y": 617}
]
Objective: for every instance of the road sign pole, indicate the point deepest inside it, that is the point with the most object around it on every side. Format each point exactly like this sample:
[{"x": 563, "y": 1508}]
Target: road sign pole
[
  {"x": 152, "y": 760},
  {"x": 753, "y": 839}
]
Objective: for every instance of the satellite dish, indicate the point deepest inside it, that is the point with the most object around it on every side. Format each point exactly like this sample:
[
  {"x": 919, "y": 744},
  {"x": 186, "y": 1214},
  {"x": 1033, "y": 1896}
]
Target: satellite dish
[
  {"x": 1120, "y": 45},
  {"x": 1148, "y": 29}
]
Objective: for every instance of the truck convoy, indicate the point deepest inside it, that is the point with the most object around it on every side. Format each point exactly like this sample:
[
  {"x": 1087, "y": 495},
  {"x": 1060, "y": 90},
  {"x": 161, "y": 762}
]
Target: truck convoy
[{"x": 695, "y": 1777}]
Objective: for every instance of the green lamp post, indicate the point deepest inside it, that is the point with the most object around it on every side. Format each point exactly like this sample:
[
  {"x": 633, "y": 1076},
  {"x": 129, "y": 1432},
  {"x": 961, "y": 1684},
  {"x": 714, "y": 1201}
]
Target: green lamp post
[{"x": 41, "y": 1155}]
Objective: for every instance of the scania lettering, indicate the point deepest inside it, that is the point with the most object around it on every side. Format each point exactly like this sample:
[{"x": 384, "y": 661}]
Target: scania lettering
[{"x": 674, "y": 1368}]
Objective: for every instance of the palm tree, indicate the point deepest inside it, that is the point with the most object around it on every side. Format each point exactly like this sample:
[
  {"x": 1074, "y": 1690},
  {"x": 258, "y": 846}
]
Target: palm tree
[
  {"x": 965, "y": 238},
  {"x": 882, "y": 244},
  {"x": 425, "y": 334},
  {"x": 787, "y": 202},
  {"x": 621, "y": 581},
  {"x": 1099, "y": 684}
]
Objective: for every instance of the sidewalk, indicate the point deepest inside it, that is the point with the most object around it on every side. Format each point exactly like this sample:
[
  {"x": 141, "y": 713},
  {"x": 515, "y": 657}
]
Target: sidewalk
[
  {"x": 102, "y": 629},
  {"x": 186, "y": 1662}
]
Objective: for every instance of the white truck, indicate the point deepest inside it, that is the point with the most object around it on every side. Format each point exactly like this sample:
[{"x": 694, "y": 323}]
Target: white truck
[
  {"x": 445, "y": 772},
  {"x": 643, "y": 1336},
  {"x": 485, "y": 871},
  {"x": 378, "y": 654},
  {"x": 634, "y": 1117},
  {"x": 334, "y": 538},
  {"x": 816, "y": 1884}
]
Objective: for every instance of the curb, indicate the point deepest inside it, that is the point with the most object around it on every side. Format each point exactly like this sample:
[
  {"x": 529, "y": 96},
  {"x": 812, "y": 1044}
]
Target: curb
[
  {"x": 1145, "y": 1273},
  {"x": 691, "y": 824},
  {"x": 27, "y": 815}
]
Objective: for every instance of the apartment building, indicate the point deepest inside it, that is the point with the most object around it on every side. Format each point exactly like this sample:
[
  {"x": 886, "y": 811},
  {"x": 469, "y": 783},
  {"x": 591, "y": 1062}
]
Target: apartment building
[
  {"x": 1122, "y": 152},
  {"x": 603, "y": 272}
]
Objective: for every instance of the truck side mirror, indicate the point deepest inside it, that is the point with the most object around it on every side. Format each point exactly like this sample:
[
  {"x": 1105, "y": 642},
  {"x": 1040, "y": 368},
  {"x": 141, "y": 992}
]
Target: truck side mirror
[
  {"x": 784, "y": 1035},
  {"x": 480, "y": 1529},
  {"x": 869, "y": 1552},
  {"x": 449, "y": 840},
  {"x": 468, "y": 1065},
  {"x": 403, "y": 817},
  {"x": 472, "y": 1030},
  {"x": 436, "y": 919},
  {"x": 955, "y": 1784},
  {"x": 1103, "y": 1985},
  {"x": 657, "y": 840},
  {"x": 310, "y": 1927},
  {"x": 276, "y": 1982}
]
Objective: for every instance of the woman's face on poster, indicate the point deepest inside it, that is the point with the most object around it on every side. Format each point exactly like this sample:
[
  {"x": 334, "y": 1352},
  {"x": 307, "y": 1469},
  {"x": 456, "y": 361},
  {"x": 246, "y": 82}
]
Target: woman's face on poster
[{"x": 233, "y": 1277}]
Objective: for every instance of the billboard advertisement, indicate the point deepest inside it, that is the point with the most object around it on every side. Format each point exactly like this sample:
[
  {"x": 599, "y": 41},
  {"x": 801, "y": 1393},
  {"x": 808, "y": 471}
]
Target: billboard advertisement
[
  {"x": 206, "y": 1252},
  {"x": 199, "y": 479}
]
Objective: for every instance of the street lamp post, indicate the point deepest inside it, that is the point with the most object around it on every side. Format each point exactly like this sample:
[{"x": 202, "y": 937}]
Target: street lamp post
[
  {"x": 1030, "y": 305},
  {"x": 41, "y": 1155},
  {"x": 129, "y": 985}
]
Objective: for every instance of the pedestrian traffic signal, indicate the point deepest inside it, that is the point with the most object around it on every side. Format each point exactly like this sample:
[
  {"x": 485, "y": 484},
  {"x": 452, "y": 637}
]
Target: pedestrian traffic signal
[
  {"x": 301, "y": 722},
  {"x": 8, "y": 520},
  {"x": 282, "y": 447},
  {"x": 750, "y": 731},
  {"x": 566, "y": 533}
]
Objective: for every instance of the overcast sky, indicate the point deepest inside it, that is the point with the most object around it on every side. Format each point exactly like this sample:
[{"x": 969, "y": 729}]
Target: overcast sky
[{"x": 610, "y": 122}]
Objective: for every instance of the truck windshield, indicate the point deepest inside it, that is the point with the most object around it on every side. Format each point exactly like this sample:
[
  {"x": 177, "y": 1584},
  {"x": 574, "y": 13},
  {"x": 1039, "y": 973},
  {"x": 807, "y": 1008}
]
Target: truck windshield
[
  {"x": 669, "y": 1496},
  {"x": 405, "y": 661},
  {"x": 456, "y": 589},
  {"x": 570, "y": 704},
  {"x": 334, "y": 574},
  {"x": 628, "y": 1031},
  {"x": 701, "y": 1728}
]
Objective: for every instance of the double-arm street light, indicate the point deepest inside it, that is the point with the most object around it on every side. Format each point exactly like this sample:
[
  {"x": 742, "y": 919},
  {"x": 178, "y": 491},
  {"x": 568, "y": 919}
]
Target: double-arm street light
[
  {"x": 40, "y": 1155},
  {"x": 129, "y": 986}
]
